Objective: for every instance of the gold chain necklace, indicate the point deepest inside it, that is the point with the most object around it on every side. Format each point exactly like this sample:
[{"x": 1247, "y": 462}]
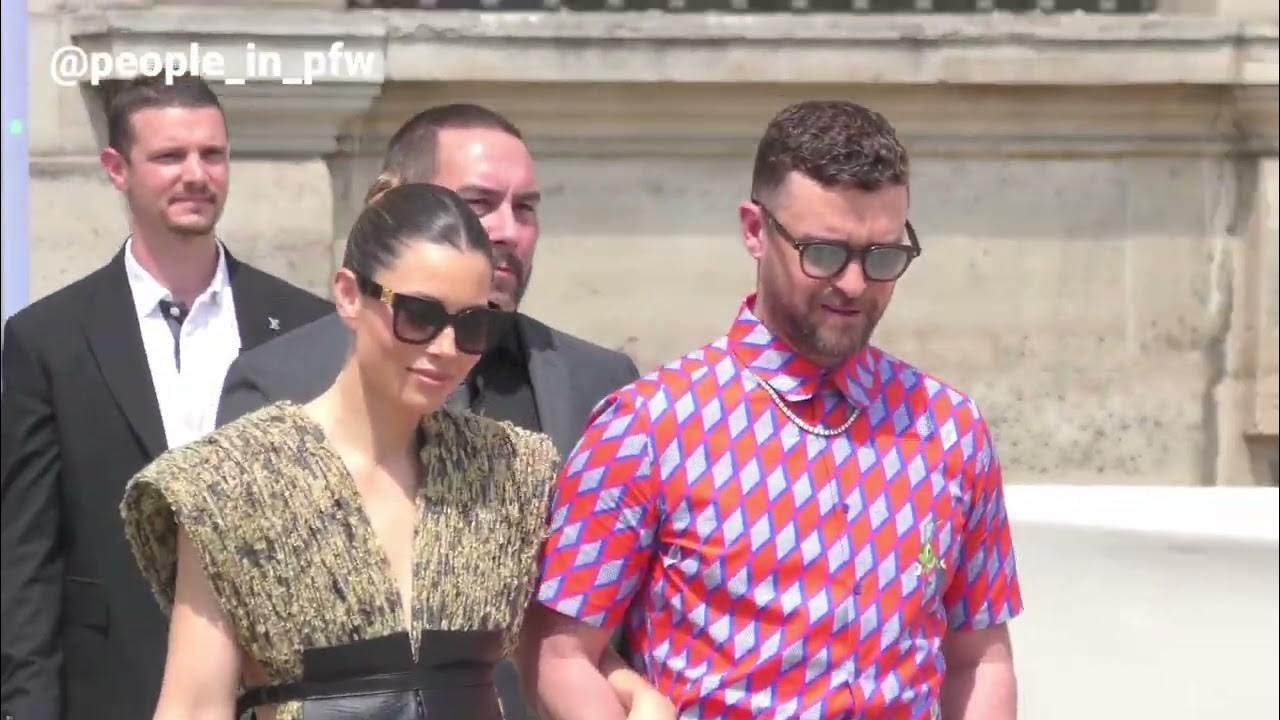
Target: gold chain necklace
[{"x": 782, "y": 405}]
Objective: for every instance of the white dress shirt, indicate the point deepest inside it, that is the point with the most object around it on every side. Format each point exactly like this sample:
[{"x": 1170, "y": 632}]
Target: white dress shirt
[{"x": 207, "y": 343}]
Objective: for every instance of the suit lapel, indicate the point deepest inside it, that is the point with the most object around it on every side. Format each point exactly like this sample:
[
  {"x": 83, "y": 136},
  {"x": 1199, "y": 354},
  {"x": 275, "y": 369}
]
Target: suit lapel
[
  {"x": 253, "y": 307},
  {"x": 551, "y": 388},
  {"x": 116, "y": 342}
]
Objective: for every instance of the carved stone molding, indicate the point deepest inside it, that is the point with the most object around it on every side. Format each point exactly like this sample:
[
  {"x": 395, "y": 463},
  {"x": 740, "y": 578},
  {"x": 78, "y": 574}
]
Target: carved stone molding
[
  {"x": 723, "y": 119},
  {"x": 705, "y": 84},
  {"x": 841, "y": 49},
  {"x": 289, "y": 80},
  {"x": 709, "y": 48}
]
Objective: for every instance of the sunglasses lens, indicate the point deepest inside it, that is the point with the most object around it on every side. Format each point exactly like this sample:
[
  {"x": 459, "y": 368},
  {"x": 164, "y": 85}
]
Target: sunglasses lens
[
  {"x": 418, "y": 319},
  {"x": 476, "y": 331},
  {"x": 823, "y": 260},
  {"x": 885, "y": 263}
]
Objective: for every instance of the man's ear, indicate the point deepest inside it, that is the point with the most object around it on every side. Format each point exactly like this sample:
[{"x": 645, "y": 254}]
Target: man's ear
[
  {"x": 117, "y": 167},
  {"x": 751, "y": 223}
]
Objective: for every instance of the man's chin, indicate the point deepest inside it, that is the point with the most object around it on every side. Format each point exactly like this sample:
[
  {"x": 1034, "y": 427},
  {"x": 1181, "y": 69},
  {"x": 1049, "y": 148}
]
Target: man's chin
[
  {"x": 837, "y": 347},
  {"x": 505, "y": 303},
  {"x": 192, "y": 228},
  {"x": 506, "y": 298}
]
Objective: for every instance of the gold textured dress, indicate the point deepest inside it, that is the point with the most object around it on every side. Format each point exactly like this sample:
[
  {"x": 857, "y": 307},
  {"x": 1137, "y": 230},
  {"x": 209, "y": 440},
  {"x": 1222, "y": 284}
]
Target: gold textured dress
[{"x": 294, "y": 561}]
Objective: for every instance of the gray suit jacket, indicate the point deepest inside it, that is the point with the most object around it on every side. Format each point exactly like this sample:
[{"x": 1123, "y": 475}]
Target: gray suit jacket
[{"x": 569, "y": 375}]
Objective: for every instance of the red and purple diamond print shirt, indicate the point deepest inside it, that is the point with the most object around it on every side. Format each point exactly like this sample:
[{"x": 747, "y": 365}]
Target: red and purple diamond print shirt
[{"x": 763, "y": 571}]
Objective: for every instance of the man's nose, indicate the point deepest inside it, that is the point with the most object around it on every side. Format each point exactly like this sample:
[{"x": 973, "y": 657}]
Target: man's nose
[
  {"x": 194, "y": 170},
  {"x": 501, "y": 223},
  {"x": 853, "y": 281}
]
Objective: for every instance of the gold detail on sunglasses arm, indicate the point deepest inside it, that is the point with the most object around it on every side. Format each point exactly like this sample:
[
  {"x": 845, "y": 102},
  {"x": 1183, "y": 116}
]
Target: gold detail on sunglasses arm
[{"x": 387, "y": 296}]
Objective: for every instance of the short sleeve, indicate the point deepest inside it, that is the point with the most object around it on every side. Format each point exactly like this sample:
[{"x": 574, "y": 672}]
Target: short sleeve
[
  {"x": 181, "y": 487},
  {"x": 984, "y": 590},
  {"x": 604, "y": 517},
  {"x": 536, "y": 464},
  {"x": 532, "y": 479}
]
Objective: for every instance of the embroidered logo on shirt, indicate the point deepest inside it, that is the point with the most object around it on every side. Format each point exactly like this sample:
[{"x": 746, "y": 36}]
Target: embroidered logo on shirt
[
  {"x": 274, "y": 324},
  {"x": 929, "y": 559}
]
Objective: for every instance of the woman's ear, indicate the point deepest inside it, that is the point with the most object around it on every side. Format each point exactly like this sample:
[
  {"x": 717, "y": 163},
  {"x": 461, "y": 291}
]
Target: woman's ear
[{"x": 347, "y": 297}]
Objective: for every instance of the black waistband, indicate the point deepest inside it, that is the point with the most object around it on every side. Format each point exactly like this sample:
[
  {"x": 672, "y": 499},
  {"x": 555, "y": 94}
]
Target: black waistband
[
  {"x": 455, "y": 668},
  {"x": 435, "y": 681}
]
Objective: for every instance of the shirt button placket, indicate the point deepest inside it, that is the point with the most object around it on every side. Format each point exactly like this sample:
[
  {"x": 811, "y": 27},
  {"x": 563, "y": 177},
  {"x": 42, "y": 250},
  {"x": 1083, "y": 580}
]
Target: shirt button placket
[{"x": 849, "y": 614}]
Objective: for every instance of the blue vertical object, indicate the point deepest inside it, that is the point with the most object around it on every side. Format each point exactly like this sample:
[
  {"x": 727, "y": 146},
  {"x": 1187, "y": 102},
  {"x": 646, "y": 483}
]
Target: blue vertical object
[{"x": 15, "y": 222}]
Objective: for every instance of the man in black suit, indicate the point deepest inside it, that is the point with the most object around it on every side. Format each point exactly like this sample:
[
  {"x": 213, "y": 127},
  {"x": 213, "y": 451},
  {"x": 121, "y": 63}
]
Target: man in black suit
[
  {"x": 539, "y": 378},
  {"x": 98, "y": 379}
]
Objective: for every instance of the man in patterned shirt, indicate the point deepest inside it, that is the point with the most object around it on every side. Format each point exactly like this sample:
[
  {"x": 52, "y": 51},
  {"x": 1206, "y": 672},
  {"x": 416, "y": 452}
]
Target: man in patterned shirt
[{"x": 789, "y": 522}]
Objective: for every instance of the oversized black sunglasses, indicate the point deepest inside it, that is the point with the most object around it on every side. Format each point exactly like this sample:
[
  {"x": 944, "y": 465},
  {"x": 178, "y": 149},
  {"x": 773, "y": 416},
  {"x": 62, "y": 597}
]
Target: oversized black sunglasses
[
  {"x": 419, "y": 320},
  {"x": 826, "y": 259}
]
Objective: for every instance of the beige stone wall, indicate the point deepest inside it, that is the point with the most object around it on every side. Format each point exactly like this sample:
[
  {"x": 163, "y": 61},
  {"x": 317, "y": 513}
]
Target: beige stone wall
[
  {"x": 1074, "y": 297},
  {"x": 1097, "y": 199}
]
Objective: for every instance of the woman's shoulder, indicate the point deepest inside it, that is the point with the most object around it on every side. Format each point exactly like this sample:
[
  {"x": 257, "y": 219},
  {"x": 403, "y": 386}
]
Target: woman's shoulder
[
  {"x": 496, "y": 438},
  {"x": 213, "y": 488},
  {"x": 476, "y": 449},
  {"x": 269, "y": 426},
  {"x": 229, "y": 454}
]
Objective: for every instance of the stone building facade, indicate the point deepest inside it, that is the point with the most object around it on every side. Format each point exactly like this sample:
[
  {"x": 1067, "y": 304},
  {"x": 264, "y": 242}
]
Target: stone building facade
[{"x": 1096, "y": 193}]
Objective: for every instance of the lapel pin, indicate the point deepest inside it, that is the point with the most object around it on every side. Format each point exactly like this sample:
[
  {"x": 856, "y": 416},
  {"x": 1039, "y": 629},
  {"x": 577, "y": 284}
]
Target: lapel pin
[{"x": 274, "y": 324}]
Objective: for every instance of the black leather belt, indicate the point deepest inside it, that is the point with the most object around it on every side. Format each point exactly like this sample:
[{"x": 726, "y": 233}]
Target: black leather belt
[{"x": 378, "y": 679}]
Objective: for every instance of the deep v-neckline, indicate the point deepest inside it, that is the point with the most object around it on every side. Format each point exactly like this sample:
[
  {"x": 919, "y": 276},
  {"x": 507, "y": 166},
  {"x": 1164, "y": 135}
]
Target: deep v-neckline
[{"x": 342, "y": 484}]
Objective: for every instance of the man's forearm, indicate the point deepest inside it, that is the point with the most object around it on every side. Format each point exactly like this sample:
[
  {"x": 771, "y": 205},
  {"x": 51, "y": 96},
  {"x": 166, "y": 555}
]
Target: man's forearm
[
  {"x": 987, "y": 691},
  {"x": 574, "y": 689}
]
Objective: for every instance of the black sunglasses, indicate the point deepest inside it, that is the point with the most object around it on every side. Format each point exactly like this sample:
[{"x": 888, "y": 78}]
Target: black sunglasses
[
  {"x": 826, "y": 259},
  {"x": 419, "y": 320}
]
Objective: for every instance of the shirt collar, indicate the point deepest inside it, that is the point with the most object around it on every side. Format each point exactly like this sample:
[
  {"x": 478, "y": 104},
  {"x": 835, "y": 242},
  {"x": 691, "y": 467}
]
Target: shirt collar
[
  {"x": 148, "y": 292},
  {"x": 792, "y": 375}
]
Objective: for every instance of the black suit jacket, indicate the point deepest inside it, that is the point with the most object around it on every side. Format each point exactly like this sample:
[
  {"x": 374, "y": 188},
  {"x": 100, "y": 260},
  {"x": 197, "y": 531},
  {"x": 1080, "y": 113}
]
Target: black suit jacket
[
  {"x": 82, "y": 635},
  {"x": 569, "y": 375}
]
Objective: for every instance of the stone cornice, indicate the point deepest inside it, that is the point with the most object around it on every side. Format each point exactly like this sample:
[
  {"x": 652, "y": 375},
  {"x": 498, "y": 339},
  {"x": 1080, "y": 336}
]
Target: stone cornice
[
  {"x": 266, "y": 116},
  {"x": 1257, "y": 113},
  {"x": 935, "y": 28},
  {"x": 628, "y": 83},
  {"x": 725, "y": 120},
  {"x": 647, "y": 47},
  {"x": 292, "y": 121}
]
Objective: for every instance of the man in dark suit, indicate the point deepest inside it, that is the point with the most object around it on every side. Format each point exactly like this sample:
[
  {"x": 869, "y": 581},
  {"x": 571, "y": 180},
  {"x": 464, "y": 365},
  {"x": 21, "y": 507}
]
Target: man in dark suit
[
  {"x": 539, "y": 378},
  {"x": 98, "y": 379}
]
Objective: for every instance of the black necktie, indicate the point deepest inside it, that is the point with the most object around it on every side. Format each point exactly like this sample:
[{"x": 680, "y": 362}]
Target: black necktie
[{"x": 175, "y": 314}]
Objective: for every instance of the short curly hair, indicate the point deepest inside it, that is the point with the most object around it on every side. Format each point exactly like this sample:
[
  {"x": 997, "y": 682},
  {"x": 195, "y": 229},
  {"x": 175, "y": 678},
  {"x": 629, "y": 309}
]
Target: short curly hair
[{"x": 837, "y": 143}]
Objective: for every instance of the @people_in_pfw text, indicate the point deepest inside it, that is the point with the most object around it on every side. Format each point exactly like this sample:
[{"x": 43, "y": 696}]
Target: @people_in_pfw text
[{"x": 70, "y": 65}]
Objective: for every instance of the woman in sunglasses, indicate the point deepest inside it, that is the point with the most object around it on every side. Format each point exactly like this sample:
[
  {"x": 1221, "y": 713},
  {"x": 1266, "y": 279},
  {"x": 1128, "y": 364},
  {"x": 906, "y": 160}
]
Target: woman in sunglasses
[{"x": 369, "y": 554}]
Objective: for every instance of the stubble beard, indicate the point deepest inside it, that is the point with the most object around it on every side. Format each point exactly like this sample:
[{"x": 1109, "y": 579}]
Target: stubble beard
[
  {"x": 823, "y": 345},
  {"x": 510, "y": 298}
]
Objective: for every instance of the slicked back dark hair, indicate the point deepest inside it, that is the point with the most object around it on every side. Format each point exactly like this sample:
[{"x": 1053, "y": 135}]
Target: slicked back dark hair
[
  {"x": 407, "y": 213},
  {"x": 411, "y": 153},
  {"x": 836, "y": 143},
  {"x": 144, "y": 93}
]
